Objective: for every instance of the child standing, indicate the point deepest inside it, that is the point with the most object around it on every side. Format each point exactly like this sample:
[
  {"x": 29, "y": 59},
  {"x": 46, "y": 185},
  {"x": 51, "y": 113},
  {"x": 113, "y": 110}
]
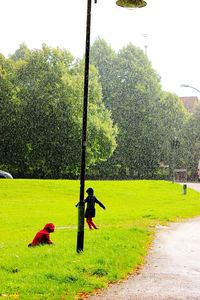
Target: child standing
[{"x": 90, "y": 210}]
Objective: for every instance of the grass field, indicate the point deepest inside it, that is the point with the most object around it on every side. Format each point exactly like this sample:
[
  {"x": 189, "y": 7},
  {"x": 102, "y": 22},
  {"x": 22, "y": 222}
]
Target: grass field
[{"x": 127, "y": 227}]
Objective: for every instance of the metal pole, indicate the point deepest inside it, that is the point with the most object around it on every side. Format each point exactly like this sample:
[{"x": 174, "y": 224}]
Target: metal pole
[
  {"x": 189, "y": 86},
  {"x": 81, "y": 206},
  {"x": 192, "y": 87}
]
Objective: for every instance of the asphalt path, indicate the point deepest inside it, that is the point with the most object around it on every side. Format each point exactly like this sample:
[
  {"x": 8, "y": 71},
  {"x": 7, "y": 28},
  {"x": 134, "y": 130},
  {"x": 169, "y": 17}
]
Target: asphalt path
[{"x": 172, "y": 269}]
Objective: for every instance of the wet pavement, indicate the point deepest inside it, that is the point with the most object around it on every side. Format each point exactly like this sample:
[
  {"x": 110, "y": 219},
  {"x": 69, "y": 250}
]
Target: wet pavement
[{"x": 172, "y": 269}]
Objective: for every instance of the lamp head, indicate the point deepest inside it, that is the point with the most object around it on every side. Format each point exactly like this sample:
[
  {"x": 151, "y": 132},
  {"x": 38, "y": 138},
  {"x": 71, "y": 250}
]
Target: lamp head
[
  {"x": 185, "y": 85},
  {"x": 131, "y": 3}
]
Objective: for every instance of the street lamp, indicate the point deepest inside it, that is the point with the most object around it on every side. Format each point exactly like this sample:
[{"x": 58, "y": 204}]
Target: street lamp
[
  {"x": 189, "y": 86},
  {"x": 81, "y": 205},
  {"x": 131, "y": 3}
]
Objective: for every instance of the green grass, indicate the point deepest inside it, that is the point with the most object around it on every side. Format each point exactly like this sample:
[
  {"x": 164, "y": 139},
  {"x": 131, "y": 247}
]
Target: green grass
[{"x": 127, "y": 226}]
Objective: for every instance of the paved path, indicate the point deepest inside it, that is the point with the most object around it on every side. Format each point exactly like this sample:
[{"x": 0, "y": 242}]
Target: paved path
[
  {"x": 172, "y": 270},
  {"x": 195, "y": 186}
]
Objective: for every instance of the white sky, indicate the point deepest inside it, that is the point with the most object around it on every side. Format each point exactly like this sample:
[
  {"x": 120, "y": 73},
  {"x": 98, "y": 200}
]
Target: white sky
[{"x": 172, "y": 27}]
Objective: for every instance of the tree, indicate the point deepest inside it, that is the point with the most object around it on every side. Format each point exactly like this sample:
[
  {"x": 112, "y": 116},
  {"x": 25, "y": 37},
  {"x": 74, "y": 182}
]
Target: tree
[
  {"x": 10, "y": 146},
  {"x": 191, "y": 139},
  {"x": 173, "y": 119},
  {"x": 132, "y": 91},
  {"x": 22, "y": 53},
  {"x": 49, "y": 84},
  {"x": 104, "y": 58},
  {"x": 45, "y": 123}
]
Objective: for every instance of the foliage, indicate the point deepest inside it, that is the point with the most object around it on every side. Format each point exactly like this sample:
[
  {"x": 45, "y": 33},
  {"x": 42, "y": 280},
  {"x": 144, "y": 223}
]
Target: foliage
[
  {"x": 133, "y": 209},
  {"x": 9, "y": 114},
  {"x": 49, "y": 85},
  {"x": 131, "y": 122},
  {"x": 147, "y": 117},
  {"x": 174, "y": 119},
  {"x": 191, "y": 138},
  {"x": 131, "y": 90}
]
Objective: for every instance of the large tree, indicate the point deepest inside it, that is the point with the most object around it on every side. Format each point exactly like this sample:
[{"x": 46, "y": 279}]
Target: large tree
[
  {"x": 132, "y": 93},
  {"x": 49, "y": 84},
  {"x": 10, "y": 116},
  {"x": 173, "y": 119},
  {"x": 191, "y": 142},
  {"x": 104, "y": 58}
]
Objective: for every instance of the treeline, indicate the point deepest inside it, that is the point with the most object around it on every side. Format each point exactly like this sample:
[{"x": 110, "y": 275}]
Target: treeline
[{"x": 131, "y": 122}]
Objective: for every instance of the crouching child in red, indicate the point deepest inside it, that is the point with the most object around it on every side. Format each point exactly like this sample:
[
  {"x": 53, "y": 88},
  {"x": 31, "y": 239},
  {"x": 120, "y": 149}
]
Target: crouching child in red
[{"x": 43, "y": 236}]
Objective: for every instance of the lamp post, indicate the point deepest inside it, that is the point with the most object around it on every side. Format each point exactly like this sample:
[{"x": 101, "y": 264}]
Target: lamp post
[
  {"x": 189, "y": 86},
  {"x": 81, "y": 205}
]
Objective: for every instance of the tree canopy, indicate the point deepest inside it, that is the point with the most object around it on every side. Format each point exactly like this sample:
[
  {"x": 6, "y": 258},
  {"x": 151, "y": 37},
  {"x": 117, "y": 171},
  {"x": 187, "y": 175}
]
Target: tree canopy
[
  {"x": 132, "y": 122},
  {"x": 147, "y": 118},
  {"x": 49, "y": 86}
]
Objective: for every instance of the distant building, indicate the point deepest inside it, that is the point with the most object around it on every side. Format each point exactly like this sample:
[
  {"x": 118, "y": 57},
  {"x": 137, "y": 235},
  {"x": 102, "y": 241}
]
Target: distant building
[{"x": 190, "y": 103}]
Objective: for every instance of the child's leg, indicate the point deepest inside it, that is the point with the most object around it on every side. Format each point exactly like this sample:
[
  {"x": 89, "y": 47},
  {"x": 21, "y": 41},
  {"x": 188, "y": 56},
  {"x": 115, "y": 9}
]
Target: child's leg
[
  {"x": 89, "y": 220},
  {"x": 92, "y": 224}
]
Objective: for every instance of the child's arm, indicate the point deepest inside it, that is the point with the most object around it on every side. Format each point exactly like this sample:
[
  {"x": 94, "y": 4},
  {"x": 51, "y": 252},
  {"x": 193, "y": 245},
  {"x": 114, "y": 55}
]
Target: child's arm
[
  {"x": 100, "y": 204},
  {"x": 46, "y": 239},
  {"x": 84, "y": 201}
]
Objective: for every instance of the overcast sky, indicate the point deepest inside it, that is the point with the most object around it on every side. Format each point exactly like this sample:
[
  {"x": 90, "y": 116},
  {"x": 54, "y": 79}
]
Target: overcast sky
[{"x": 172, "y": 27}]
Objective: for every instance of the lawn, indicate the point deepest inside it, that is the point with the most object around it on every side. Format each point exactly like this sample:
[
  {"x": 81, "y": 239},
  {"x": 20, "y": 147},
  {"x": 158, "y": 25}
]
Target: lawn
[{"x": 127, "y": 227}]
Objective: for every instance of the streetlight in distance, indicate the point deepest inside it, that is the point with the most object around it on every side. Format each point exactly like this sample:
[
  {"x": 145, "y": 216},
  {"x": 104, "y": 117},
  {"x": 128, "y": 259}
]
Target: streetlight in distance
[
  {"x": 81, "y": 205},
  {"x": 189, "y": 86}
]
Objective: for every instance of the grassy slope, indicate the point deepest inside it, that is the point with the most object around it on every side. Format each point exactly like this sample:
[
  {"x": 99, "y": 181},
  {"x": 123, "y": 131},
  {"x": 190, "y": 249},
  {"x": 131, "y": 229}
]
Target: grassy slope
[{"x": 57, "y": 272}]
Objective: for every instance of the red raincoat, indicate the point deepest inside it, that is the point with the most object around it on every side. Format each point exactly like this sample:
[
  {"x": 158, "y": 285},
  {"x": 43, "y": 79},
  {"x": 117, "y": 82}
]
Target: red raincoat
[{"x": 43, "y": 236}]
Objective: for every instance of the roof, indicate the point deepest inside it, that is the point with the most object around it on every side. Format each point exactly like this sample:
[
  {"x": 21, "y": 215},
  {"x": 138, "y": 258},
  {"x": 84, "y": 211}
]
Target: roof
[{"x": 190, "y": 103}]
